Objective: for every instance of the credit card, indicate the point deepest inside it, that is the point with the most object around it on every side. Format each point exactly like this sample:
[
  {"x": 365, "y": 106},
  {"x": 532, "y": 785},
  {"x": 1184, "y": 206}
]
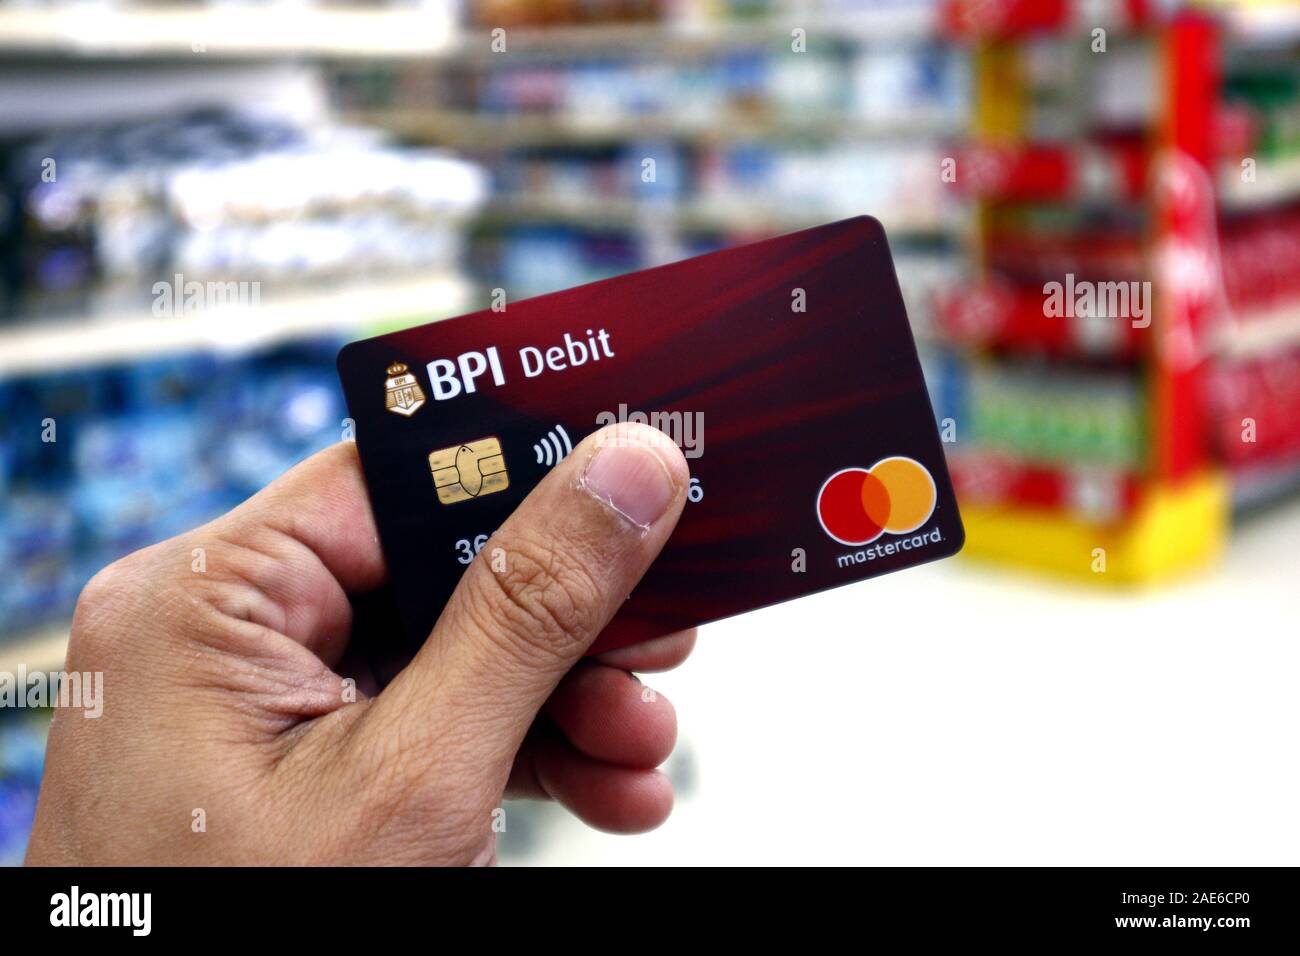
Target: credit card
[{"x": 785, "y": 370}]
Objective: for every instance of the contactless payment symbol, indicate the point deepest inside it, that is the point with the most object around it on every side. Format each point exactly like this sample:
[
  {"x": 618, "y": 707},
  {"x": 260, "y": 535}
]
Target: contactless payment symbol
[
  {"x": 551, "y": 450},
  {"x": 471, "y": 470},
  {"x": 857, "y": 505},
  {"x": 402, "y": 393}
]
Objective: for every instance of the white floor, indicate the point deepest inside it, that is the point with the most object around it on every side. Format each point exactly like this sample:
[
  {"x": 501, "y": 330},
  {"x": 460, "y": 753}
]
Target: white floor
[{"x": 955, "y": 714}]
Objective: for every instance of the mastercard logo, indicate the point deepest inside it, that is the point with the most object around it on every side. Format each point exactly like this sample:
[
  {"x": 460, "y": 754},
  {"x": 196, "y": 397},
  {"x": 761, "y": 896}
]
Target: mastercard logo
[{"x": 857, "y": 505}]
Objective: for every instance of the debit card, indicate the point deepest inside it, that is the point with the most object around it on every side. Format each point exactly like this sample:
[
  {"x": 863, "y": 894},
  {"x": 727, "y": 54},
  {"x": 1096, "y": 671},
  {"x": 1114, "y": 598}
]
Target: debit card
[{"x": 785, "y": 370}]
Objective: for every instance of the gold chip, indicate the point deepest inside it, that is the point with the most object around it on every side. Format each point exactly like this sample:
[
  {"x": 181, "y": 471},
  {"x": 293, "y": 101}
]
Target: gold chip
[{"x": 471, "y": 470}]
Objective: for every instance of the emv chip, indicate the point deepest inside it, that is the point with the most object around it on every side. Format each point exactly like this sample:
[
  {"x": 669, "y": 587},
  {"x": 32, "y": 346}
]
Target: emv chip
[{"x": 470, "y": 470}]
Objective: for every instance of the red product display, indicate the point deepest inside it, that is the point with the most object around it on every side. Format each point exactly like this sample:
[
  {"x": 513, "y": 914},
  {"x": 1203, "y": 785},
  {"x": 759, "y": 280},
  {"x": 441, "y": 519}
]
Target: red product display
[
  {"x": 1034, "y": 257},
  {"x": 1256, "y": 408},
  {"x": 1261, "y": 262},
  {"x": 1004, "y": 315},
  {"x": 1007, "y": 18},
  {"x": 1111, "y": 169},
  {"x": 989, "y": 478}
]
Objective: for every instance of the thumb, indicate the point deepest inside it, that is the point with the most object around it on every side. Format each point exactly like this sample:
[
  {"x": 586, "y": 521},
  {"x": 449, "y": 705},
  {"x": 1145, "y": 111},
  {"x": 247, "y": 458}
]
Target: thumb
[{"x": 573, "y": 551}]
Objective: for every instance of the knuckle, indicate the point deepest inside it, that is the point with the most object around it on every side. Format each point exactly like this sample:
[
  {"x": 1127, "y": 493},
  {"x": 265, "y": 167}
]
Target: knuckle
[
  {"x": 546, "y": 599},
  {"x": 105, "y": 588},
  {"x": 127, "y": 602},
  {"x": 106, "y": 596}
]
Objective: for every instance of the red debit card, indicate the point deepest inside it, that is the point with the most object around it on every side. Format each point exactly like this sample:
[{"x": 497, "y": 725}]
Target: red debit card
[{"x": 785, "y": 370}]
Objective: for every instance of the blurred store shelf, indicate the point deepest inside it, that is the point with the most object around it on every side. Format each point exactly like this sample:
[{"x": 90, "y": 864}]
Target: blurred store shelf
[
  {"x": 684, "y": 37},
  {"x": 696, "y": 216},
  {"x": 233, "y": 31},
  {"x": 469, "y": 130},
  {"x": 130, "y": 335}
]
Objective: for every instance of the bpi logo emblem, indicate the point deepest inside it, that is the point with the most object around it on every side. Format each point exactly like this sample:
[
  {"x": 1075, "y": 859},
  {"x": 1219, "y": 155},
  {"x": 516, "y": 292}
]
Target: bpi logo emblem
[
  {"x": 857, "y": 505},
  {"x": 402, "y": 393}
]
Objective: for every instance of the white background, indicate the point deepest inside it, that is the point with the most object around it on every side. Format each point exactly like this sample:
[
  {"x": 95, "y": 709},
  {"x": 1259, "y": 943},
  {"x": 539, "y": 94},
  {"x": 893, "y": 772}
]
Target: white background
[{"x": 960, "y": 713}]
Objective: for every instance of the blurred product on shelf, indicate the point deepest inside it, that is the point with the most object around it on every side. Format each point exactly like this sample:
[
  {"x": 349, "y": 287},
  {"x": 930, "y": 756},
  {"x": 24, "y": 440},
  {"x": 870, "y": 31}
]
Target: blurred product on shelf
[
  {"x": 510, "y": 13},
  {"x": 715, "y": 186},
  {"x": 1102, "y": 168},
  {"x": 1255, "y": 384},
  {"x": 1260, "y": 254},
  {"x": 1259, "y": 132},
  {"x": 1010, "y": 486},
  {"x": 920, "y": 84},
  {"x": 143, "y": 452},
  {"x": 1267, "y": 97},
  {"x": 693, "y": 13},
  {"x": 1068, "y": 99},
  {"x": 896, "y": 182},
  {"x": 589, "y": 177},
  {"x": 535, "y": 260},
  {"x": 1041, "y": 244},
  {"x": 100, "y": 214},
  {"x": 1256, "y": 407},
  {"x": 1029, "y": 433},
  {"x": 1043, "y": 414}
]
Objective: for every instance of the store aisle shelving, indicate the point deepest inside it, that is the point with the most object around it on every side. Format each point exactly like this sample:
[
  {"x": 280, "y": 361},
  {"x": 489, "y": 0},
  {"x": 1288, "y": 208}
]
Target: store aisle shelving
[{"x": 123, "y": 335}]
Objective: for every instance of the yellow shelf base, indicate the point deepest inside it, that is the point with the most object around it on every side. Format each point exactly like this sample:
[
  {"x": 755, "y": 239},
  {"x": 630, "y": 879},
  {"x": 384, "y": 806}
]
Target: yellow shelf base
[{"x": 1176, "y": 529}]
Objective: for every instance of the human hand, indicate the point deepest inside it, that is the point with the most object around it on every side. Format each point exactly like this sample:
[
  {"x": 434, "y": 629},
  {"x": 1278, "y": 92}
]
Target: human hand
[{"x": 225, "y": 700}]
